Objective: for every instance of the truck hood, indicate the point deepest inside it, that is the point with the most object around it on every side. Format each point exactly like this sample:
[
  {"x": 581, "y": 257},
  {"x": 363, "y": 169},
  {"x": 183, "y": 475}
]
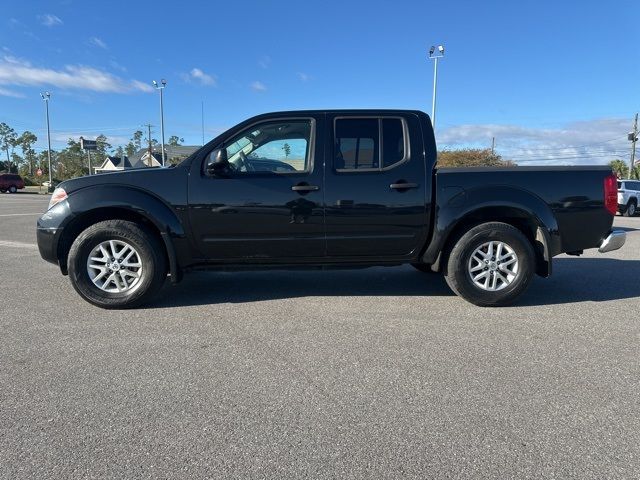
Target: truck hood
[{"x": 133, "y": 177}]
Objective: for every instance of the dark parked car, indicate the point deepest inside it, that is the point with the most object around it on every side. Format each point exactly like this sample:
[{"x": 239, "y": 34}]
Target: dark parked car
[
  {"x": 325, "y": 188},
  {"x": 10, "y": 182}
]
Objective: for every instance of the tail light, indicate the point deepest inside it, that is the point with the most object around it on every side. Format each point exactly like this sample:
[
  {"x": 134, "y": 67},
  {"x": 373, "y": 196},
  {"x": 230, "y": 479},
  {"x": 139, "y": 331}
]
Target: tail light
[
  {"x": 59, "y": 195},
  {"x": 611, "y": 194}
]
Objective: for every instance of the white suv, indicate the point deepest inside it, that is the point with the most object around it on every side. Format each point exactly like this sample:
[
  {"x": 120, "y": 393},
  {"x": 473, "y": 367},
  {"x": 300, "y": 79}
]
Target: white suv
[{"x": 628, "y": 197}]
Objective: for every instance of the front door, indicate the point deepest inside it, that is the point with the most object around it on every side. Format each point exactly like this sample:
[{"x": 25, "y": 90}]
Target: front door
[
  {"x": 268, "y": 206},
  {"x": 376, "y": 187}
]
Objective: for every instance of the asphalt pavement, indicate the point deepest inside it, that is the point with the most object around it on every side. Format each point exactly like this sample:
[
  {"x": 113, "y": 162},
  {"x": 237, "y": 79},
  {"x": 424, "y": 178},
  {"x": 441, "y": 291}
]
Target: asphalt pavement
[{"x": 374, "y": 373}]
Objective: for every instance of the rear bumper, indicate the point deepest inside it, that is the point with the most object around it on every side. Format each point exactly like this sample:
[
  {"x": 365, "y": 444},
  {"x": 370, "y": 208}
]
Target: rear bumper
[{"x": 615, "y": 240}]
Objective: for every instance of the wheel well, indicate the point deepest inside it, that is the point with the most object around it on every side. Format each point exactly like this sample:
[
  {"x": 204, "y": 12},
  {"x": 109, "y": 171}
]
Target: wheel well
[
  {"x": 91, "y": 217},
  {"x": 633, "y": 200},
  {"x": 509, "y": 215}
]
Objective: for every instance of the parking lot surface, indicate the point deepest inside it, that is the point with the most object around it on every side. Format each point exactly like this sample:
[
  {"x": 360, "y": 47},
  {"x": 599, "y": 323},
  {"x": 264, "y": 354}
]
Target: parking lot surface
[{"x": 375, "y": 373}]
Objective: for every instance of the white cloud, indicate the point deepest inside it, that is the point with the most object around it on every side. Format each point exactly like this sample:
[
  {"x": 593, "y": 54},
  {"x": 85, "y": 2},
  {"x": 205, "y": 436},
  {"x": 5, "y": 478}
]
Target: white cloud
[
  {"x": 142, "y": 86},
  {"x": 579, "y": 142},
  {"x": 22, "y": 73},
  {"x": 16, "y": 60},
  {"x": 304, "y": 77},
  {"x": 98, "y": 42},
  {"x": 264, "y": 61},
  {"x": 49, "y": 20},
  {"x": 197, "y": 75},
  {"x": 117, "y": 66},
  {"x": 5, "y": 92},
  {"x": 258, "y": 87}
]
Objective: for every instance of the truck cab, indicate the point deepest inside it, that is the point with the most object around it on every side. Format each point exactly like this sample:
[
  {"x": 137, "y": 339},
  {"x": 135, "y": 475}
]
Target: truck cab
[{"x": 314, "y": 186}]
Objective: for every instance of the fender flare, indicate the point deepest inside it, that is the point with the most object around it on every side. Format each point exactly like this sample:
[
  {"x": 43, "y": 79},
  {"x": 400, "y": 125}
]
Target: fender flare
[
  {"x": 93, "y": 199},
  {"x": 458, "y": 206}
]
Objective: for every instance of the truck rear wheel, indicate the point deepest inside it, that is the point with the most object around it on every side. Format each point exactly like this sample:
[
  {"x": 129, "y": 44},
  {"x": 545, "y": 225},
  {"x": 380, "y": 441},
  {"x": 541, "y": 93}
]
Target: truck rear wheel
[
  {"x": 631, "y": 209},
  {"x": 491, "y": 265},
  {"x": 117, "y": 264}
]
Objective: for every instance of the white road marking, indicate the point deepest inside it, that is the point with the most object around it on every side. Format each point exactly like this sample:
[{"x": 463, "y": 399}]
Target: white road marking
[
  {"x": 7, "y": 243},
  {"x": 19, "y": 214}
]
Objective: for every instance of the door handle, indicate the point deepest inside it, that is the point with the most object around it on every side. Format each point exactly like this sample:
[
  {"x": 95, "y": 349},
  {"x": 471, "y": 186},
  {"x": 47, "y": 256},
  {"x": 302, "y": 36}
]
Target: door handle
[
  {"x": 305, "y": 188},
  {"x": 403, "y": 185}
]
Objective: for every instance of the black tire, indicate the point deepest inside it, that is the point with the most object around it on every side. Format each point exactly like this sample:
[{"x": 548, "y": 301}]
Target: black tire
[
  {"x": 13, "y": 189},
  {"x": 149, "y": 248},
  {"x": 631, "y": 210},
  {"x": 459, "y": 279},
  {"x": 423, "y": 267},
  {"x": 3, "y": 190}
]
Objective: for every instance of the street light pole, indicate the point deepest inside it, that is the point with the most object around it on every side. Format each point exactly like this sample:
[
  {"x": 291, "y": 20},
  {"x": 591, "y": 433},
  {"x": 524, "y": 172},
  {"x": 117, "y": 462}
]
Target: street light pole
[
  {"x": 46, "y": 96},
  {"x": 633, "y": 137},
  {"x": 163, "y": 83},
  {"x": 435, "y": 56}
]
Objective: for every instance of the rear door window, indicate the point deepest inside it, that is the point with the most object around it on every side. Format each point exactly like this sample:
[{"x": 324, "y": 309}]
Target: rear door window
[{"x": 369, "y": 144}]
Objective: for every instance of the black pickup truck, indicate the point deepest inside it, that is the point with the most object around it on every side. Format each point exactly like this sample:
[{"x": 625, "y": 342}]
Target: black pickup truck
[{"x": 339, "y": 188}]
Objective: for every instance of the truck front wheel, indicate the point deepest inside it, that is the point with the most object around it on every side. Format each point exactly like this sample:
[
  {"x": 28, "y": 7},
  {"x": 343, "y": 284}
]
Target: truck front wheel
[
  {"x": 491, "y": 265},
  {"x": 117, "y": 264}
]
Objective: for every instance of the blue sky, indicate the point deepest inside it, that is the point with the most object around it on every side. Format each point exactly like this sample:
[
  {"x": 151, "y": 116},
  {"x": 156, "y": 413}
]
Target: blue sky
[{"x": 553, "y": 81}]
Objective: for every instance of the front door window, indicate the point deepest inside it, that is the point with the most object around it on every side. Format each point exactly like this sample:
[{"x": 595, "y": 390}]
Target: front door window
[{"x": 275, "y": 147}]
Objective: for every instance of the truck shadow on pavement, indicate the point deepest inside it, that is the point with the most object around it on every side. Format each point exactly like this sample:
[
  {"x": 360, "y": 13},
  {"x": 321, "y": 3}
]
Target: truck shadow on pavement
[
  {"x": 585, "y": 280},
  {"x": 201, "y": 288},
  {"x": 573, "y": 280}
]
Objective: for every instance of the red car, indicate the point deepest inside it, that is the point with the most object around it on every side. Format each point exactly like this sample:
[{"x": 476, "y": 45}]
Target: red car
[{"x": 10, "y": 182}]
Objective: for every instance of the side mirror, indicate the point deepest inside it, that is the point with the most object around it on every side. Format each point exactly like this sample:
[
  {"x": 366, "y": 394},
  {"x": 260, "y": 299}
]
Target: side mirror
[{"x": 218, "y": 162}]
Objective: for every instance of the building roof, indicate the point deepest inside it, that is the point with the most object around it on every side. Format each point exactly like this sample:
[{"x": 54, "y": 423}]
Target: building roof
[
  {"x": 115, "y": 163},
  {"x": 171, "y": 151},
  {"x": 143, "y": 161}
]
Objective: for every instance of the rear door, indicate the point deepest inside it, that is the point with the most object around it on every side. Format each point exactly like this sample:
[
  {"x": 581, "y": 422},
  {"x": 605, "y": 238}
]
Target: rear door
[{"x": 375, "y": 188}]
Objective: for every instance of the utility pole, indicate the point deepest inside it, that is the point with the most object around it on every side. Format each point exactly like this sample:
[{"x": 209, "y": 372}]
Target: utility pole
[
  {"x": 161, "y": 87},
  {"x": 46, "y": 96},
  {"x": 148, "y": 125},
  {"x": 493, "y": 145},
  {"x": 435, "y": 53},
  {"x": 633, "y": 137}
]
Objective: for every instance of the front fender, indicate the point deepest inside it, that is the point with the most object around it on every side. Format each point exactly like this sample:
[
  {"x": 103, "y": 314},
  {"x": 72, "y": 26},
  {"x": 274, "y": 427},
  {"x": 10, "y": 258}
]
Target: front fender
[
  {"x": 457, "y": 206},
  {"x": 58, "y": 227},
  {"x": 129, "y": 198}
]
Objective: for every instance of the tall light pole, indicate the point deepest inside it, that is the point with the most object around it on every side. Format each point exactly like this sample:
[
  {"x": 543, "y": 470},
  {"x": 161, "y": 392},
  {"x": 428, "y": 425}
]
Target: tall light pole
[
  {"x": 163, "y": 83},
  {"x": 435, "y": 53},
  {"x": 633, "y": 138},
  {"x": 46, "y": 96}
]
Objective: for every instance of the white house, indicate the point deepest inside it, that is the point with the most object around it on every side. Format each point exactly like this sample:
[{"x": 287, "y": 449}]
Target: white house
[
  {"x": 143, "y": 159},
  {"x": 148, "y": 160},
  {"x": 113, "y": 164}
]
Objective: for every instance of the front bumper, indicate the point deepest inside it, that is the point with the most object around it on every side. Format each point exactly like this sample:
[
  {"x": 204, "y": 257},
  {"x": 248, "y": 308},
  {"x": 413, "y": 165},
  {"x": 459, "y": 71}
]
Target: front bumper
[
  {"x": 48, "y": 244},
  {"x": 49, "y": 231},
  {"x": 614, "y": 241}
]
